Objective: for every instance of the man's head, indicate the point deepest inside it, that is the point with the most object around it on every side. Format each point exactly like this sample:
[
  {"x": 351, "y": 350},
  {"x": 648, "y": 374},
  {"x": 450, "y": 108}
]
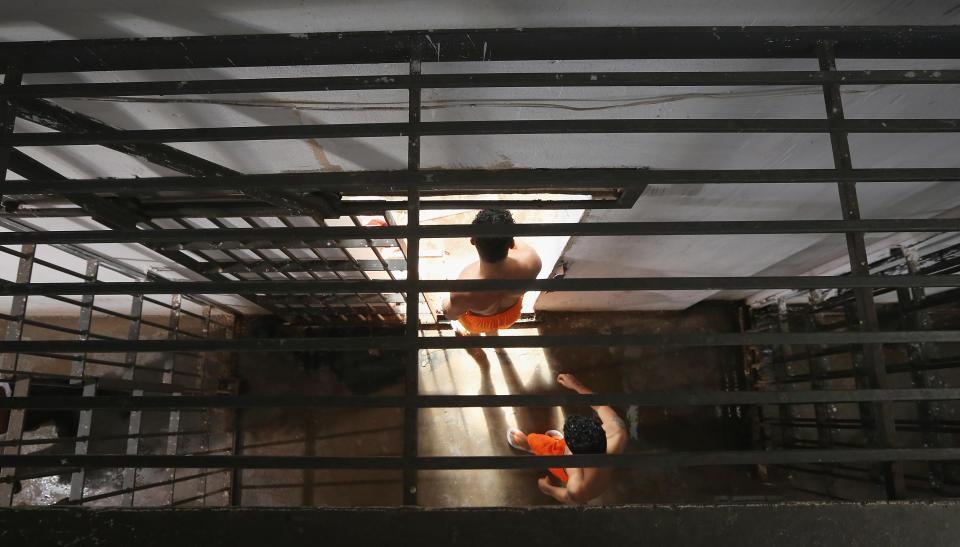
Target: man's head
[
  {"x": 493, "y": 249},
  {"x": 584, "y": 435}
]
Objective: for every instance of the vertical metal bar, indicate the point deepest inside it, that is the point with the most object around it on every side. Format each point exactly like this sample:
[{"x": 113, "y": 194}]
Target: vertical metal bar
[
  {"x": 79, "y": 368},
  {"x": 817, "y": 366},
  {"x": 884, "y": 429},
  {"x": 136, "y": 416},
  {"x": 21, "y": 388},
  {"x": 169, "y": 371},
  {"x": 918, "y": 357},
  {"x": 202, "y": 387},
  {"x": 133, "y": 333},
  {"x": 8, "y": 115},
  {"x": 173, "y": 446},
  {"x": 236, "y": 474},
  {"x": 133, "y": 449},
  {"x": 79, "y": 478},
  {"x": 18, "y": 307},
  {"x": 788, "y": 435},
  {"x": 11, "y": 361},
  {"x": 412, "y": 358}
]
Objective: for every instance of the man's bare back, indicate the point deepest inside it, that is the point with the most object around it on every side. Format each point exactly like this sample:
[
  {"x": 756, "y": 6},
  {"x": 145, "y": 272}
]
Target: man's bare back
[
  {"x": 583, "y": 484},
  {"x": 522, "y": 262}
]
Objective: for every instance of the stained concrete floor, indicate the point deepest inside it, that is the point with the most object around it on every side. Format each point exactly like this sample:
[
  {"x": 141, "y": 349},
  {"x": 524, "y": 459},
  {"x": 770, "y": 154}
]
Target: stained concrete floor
[
  {"x": 202, "y": 431},
  {"x": 454, "y": 431},
  {"x": 477, "y": 431}
]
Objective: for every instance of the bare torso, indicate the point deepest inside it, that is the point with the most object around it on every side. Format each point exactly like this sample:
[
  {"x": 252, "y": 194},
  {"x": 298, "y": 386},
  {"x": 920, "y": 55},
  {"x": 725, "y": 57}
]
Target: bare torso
[{"x": 522, "y": 262}]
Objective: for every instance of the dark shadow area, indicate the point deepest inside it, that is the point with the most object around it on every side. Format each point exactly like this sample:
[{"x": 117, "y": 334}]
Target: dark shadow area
[{"x": 639, "y": 369}]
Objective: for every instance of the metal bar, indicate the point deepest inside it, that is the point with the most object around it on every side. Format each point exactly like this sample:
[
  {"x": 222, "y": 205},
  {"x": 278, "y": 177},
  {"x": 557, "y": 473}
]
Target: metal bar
[
  {"x": 301, "y": 265},
  {"x": 884, "y": 430},
  {"x": 51, "y": 115},
  {"x": 788, "y": 437},
  {"x": 18, "y": 308},
  {"x": 589, "y": 284},
  {"x": 79, "y": 367},
  {"x": 653, "y": 460},
  {"x": 478, "y": 179},
  {"x": 79, "y": 477},
  {"x": 202, "y": 388},
  {"x": 919, "y": 360},
  {"x": 818, "y": 369},
  {"x": 108, "y": 261},
  {"x": 376, "y": 252},
  {"x": 346, "y": 343},
  {"x": 295, "y": 234},
  {"x": 238, "y": 259},
  {"x": 169, "y": 371},
  {"x": 705, "y": 42},
  {"x": 129, "y": 485},
  {"x": 12, "y": 77},
  {"x": 503, "y": 80},
  {"x": 337, "y": 273},
  {"x": 511, "y": 127},
  {"x": 21, "y": 388},
  {"x": 654, "y": 399},
  {"x": 173, "y": 446},
  {"x": 207, "y": 209},
  {"x": 411, "y": 359},
  {"x": 109, "y": 213}
]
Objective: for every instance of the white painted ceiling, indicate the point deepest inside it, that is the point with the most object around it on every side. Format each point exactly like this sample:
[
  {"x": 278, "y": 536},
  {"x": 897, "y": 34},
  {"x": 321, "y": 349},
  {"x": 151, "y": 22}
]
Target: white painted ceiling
[{"x": 713, "y": 255}]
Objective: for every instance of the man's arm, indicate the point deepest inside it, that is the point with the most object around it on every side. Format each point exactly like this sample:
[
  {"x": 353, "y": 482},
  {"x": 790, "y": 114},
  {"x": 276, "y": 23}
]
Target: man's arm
[
  {"x": 608, "y": 416},
  {"x": 455, "y": 305},
  {"x": 570, "y": 494},
  {"x": 528, "y": 257}
]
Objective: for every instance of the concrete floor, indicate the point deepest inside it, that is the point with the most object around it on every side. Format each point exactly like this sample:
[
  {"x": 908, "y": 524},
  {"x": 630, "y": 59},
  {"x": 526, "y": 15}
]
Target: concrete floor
[
  {"x": 454, "y": 431},
  {"x": 476, "y": 431},
  {"x": 108, "y": 426}
]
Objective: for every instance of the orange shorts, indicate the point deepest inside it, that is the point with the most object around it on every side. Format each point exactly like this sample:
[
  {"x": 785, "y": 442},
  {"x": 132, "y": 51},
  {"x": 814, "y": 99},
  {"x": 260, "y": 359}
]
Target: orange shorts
[
  {"x": 545, "y": 445},
  {"x": 487, "y": 323}
]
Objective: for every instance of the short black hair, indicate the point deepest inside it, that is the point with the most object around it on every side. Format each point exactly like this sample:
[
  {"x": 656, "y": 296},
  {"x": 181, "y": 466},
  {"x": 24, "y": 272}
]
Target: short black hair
[
  {"x": 493, "y": 249},
  {"x": 585, "y": 435}
]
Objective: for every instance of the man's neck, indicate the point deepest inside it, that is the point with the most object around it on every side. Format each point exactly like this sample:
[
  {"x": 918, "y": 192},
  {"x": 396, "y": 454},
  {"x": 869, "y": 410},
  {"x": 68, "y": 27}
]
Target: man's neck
[{"x": 492, "y": 268}]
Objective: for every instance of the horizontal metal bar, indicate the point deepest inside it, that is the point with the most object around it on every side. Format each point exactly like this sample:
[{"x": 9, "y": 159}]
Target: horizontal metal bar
[
  {"x": 301, "y": 265},
  {"x": 444, "y": 81},
  {"x": 704, "y": 42},
  {"x": 475, "y": 179},
  {"x": 658, "y": 399},
  {"x": 470, "y": 230},
  {"x": 627, "y": 461},
  {"x": 509, "y": 127},
  {"x": 310, "y": 286},
  {"x": 356, "y": 207},
  {"x": 347, "y": 343}
]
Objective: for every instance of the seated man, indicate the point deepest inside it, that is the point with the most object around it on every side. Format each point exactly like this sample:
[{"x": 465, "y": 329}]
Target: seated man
[
  {"x": 500, "y": 258},
  {"x": 581, "y": 435}
]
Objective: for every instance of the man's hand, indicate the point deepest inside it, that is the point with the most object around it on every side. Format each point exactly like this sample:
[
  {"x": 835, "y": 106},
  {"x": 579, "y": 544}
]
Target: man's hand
[
  {"x": 571, "y": 382},
  {"x": 545, "y": 486}
]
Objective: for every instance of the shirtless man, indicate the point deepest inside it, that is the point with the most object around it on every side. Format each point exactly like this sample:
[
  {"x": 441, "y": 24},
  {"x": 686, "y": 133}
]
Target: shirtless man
[
  {"x": 581, "y": 435},
  {"x": 500, "y": 258}
]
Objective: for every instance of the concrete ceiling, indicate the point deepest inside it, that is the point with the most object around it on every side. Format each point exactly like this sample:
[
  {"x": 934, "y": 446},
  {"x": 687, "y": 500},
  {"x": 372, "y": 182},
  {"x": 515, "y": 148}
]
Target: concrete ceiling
[
  {"x": 55, "y": 19},
  {"x": 715, "y": 255}
]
